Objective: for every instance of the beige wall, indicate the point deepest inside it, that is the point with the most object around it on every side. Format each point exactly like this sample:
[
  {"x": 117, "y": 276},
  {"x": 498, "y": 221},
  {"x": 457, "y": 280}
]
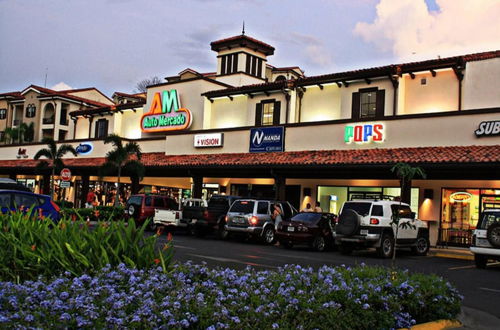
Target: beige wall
[
  {"x": 93, "y": 95},
  {"x": 239, "y": 79},
  {"x": 4, "y": 122},
  {"x": 481, "y": 84},
  {"x": 226, "y": 113},
  {"x": 321, "y": 104}
]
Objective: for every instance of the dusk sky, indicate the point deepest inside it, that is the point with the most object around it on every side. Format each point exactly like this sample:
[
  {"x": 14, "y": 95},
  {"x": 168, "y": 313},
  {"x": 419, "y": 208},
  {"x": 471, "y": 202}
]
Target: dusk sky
[{"x": 113, "y": 44}]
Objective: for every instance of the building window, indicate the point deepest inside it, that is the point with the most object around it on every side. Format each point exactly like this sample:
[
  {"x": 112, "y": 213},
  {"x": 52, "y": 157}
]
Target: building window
[
  {"x": 101, "y": 128},
  {"x": 3, "y": 114},
  {"x": 62, "y": 135},
  {"x": 30, "y": 111},
  {"x": 254, "y": 65},
  {"x": 64, "y": 114},
  {"x": 229, "y": 64},
  {"x": 267, "y": 113},
  {"x": 368, "y": 103}
]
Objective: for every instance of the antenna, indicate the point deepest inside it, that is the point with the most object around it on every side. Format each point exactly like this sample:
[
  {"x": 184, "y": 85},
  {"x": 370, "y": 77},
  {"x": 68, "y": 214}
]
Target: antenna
[
  {"x": 46, "y": 73},
  {"x": 243, "y": 31}
]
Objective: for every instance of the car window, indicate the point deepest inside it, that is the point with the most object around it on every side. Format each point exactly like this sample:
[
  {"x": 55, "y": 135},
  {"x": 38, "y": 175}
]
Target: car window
[
  {"x": 262, "y": 208},
  {"x": 360, "y": 207},
  {"x": 25, "y": 200},
  {"x": 171, "y": 204},
  {"x": 307, "y": 217},
  {"x": 286, "y": 210},
  {"x": 488, "y": 219},
  {"x": 148, "y": 201},
  {"x": 242, "y": 207},
  {"x": 136, "y": 200},
  {"x": 377, "y": 211},
  {"x": 5, "y": 200},
  {"x": 403, "y": 210},
  {"x": 218, "y": 201},
  {"x": 159, "y": 202}
]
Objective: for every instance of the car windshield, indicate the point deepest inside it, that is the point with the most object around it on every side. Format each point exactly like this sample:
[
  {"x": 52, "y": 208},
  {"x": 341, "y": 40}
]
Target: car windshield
[
  {"x": 217, "y": 202},
  {"x": 360, "y": 207},
  {"x": 135, "y": 200},
  {"x": 488, "y": 219},
  {"x": 307, "y": 217},
  {"x": 242, "y": 207}
]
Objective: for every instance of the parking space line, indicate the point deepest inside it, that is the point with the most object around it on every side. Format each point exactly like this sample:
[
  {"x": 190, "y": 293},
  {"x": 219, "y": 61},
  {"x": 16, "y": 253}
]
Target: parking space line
[
  {"x": 488, "y": 289},
  {"x": 462, "y": 267},
  {"x": 183, "y": 247}
]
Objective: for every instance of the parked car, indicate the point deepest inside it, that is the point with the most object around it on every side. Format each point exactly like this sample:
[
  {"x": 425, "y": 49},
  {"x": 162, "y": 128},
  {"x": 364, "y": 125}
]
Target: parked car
[
  {"x": 486, "y": 238},
  {"x": 314, "y": 229},
  {"x": 252, "y": 217},
  {"x": 191, "y": 208},
  {"x": 368, "y": 223},
  {"x": 9, "y": 184},
  {"x": 214, "y": 215},
  {"x": 40, "y": 205},
  {"x": 142, "y": 206}
]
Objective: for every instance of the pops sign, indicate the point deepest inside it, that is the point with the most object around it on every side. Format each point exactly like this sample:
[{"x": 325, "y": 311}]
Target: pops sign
[
  {"x": 165, "y": 114},
  {"x": 364, "y": 133}
]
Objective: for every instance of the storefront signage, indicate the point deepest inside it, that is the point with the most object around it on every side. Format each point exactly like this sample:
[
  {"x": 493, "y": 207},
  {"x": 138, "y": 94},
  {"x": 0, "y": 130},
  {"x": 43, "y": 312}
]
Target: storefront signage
[
  {"x": 461, "y": 196},
  {"x": 488, "y": 128},
  {"x": 208, "y": 140},
  {"x": 65, "y": 174},
  {"x": 166, "y": 114},
  {"x": 21, "y": 153},
  {"x": 84, "y": 148},
  {"x": 364, "y": 133},
  {"x": 267, "y": 139}
]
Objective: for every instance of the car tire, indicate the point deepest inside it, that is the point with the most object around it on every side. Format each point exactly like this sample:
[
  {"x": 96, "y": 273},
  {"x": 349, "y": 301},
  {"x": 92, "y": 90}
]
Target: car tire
[
  {"x": 286, "y": 244},
  {"x": 493, "y": 234},
  {"x": 319, "y": 243},
  {"x": 348, "y": 223},
  {"x": 386, "y": 248},
  {"x": 152, "y": 226},
  {"x": 268, "y": 235},
  {"x": 480, "y": 260},
  {"x": 222, "y": 233},
  {"x": 346, "y": 249},
  {"x": 421, "y": 247}
]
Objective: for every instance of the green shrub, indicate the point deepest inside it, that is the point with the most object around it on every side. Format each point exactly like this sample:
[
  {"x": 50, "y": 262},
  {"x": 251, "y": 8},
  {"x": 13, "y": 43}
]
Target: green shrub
[
  {"x": 30, "y": 247},
  {"x": 104, "y": 213},
  {"x": 64, "y": 204}
]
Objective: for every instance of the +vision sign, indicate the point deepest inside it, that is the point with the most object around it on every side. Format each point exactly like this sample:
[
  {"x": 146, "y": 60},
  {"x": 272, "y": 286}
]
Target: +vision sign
[{"x": 166, "y": 114}]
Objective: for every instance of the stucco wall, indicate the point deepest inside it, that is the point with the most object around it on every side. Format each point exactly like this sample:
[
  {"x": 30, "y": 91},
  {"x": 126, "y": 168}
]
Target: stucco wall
[
  {"x": 93, "y": 95},
  {"x": 321, "y": 104},
  {"x": 481, "y": 84},
  {"x": 226, "y": 113}
]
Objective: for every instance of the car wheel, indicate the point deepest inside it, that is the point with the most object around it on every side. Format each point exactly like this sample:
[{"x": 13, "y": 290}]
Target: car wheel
[
  {"x": 268, "y": 235},
  {"x": 386, "y": 248},
  {"x": 222, "y": 233},
  {"x": 286, "y": 244},
  {"x": 481, "y": 261},
  {"x": 152, "y": 226},
  {"x": 346, "y": 249},
  {"x": 319, "y": 243},
  {"x": 421, "y": 247},
  {"x": 493, "y": 234}
]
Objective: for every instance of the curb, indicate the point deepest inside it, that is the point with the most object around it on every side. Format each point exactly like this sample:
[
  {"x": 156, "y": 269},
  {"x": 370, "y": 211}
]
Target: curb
[
  {"x": 452, "y": 255},
  {"x": 437, "y": 325}
]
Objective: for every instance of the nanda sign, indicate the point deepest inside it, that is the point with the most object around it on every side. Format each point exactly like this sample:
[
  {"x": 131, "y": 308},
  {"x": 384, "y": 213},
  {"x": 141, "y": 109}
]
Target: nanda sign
[
  {"x": 166, "y": 114},
  {"x": 267, "y": 139}
]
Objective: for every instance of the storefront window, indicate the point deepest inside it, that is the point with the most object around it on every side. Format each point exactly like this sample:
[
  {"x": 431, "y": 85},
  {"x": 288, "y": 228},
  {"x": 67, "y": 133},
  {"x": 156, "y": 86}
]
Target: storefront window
[{"x": 460, "y": 208}]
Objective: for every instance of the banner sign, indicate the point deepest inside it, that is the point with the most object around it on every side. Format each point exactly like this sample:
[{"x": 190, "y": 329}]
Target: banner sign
[
  {"x": 364, "y": 133},
  {"x": 84, "y": 148},
  {"x": 165, "y": 114},
  {"x": 488, "y": 128},
  {"x": 208, "y": 140},
  {"x": 267, "y": 139}
]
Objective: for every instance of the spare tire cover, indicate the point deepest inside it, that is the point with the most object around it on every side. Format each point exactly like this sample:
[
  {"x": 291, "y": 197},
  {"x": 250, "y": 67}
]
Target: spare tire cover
[
  {"x": 348, "y": 223},
  {"x": 493, "y": 234}
]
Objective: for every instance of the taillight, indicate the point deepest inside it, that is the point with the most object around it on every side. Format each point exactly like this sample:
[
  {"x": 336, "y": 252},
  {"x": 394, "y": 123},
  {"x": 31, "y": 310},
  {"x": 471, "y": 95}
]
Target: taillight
[
  {"x": 55, "y": 206},
  {"x": 177, "y": 215},
  {"x": 205, "y": 214},
  {"x": 226, "y": 218},
  {"x": 254, "y": 220},
  {"x": 374, "y": 221}
]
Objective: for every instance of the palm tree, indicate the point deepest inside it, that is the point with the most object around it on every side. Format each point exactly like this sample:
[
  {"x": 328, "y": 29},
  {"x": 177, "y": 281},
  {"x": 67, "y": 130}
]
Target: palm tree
[
  {"x": 55, "y": 154},
  {"x": 11, "y": 135},
  {"x": 27, "y": 132},
  {"x": 121, "y": 158}
]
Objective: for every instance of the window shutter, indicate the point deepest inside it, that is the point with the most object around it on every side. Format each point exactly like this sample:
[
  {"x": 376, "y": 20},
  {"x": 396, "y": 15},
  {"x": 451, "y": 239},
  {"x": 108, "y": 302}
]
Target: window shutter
[
  {"x": 379, "y": 112},
  {"x": 276, "y": 113},
  {"x": 106, "y": 125},
  {"x": 247, "y": 70},
  {"x": 259, "y": 68},
  {"x": 96, "y": 135},
  {"x": 223, "y": 65},
  {"x": 235, "y": 63},
  {"x": 229, "y": 64},
  {"x": 258, "y": 114},
  {"x": 356, "y": 105}
]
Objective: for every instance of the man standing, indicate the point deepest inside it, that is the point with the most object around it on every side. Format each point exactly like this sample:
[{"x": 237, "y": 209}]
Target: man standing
[
  {"x": 90, "y": 199},
  {"x": 318, "y": 208}
]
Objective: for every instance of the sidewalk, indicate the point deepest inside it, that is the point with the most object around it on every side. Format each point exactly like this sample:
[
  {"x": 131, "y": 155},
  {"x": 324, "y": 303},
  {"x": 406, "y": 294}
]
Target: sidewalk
[{"x": 453, "y": 252}]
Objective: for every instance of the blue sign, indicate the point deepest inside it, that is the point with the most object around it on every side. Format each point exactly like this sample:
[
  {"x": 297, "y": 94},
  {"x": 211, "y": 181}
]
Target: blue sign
[
  {"x": 84, "y": 148},
  {"x": 267, "y": 139}
]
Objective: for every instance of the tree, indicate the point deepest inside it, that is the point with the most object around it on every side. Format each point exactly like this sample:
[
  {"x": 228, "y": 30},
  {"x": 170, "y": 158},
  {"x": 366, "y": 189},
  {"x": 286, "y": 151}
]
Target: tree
[
  {"x": 11, "y": 135},
  {"x": 55, "y": 154},
  {"x": 405, "y": 172},
  {"x": 142, "y": 85},
  {"x": 123, "y": 158},
  {"x": 27, "y": 132}
]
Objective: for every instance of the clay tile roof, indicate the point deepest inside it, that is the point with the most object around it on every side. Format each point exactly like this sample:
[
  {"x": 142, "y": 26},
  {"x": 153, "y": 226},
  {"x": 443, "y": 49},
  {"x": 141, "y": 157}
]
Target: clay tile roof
[
  {"x": 15, "y": 95},
  {"x": 242, "y": 41},
  {"x": 109, "y": 108},
  {"x": 248, "y": 89},
  {"x": 136, "y": 95}
]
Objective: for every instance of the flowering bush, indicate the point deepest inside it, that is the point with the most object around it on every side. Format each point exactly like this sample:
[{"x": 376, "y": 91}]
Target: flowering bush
[
  {"x": 196, "y": 297},
  {"x": 30, "y": 247},
  {"x": 103, "y": 213}
]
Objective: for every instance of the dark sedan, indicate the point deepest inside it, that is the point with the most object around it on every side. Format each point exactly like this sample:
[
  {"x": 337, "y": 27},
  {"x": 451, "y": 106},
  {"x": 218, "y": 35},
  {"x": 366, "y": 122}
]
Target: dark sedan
[{"x": 314, "y": 229}]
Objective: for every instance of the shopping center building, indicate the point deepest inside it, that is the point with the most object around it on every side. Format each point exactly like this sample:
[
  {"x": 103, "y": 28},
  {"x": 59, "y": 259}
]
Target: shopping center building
[{"x": 253, "y": 129}]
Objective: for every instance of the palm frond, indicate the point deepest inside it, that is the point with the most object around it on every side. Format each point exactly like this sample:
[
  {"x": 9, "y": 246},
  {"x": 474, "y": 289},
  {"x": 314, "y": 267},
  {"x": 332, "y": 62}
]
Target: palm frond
[
  {"x": 107, "y": 168},
  {"x": 115, "y": 140},
  {"x": 43, "y": 153},
  {"x": 51, "y": 144},
  {"x": 132, "y": 148},
  {"x": 64, "y": 149},
  {"x": 134, "y": 168}
]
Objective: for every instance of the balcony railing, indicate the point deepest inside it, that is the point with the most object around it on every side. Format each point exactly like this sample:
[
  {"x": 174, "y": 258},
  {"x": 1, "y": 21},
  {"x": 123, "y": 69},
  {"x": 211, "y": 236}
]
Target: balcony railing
[
  {"x": 48, "y": 121},
  {"x": 455, "y": 237}
]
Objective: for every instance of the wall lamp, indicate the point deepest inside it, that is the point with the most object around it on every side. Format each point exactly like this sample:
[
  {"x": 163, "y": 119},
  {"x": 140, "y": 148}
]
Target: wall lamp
[{"x": 428, "y": 194}]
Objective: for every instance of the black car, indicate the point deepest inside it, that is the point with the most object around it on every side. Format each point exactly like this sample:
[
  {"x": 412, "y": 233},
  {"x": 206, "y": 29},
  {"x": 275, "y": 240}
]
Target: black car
[{"x": 214, "y": 216}]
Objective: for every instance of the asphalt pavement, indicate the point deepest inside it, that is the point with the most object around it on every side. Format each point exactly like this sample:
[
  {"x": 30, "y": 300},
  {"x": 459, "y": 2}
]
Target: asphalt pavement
[{"x": 480, "y": 287}]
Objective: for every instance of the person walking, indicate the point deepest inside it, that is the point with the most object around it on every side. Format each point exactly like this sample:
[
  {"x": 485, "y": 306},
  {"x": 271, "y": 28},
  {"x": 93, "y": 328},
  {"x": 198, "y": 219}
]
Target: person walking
[
  {"x": 276, "y": 216},
  {"x": 90, "y": 199}
]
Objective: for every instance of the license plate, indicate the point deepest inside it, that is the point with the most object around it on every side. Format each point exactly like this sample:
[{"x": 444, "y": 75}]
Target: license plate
[
  {"x": 291, "y": 229},
  {"x": 238, "y": 220},
  {"x": 364, "y": 232}
]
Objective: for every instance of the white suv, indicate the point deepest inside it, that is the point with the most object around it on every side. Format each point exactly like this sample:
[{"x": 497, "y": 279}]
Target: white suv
[
  {"x": 368, "y": 223},
  {"x": 486, "y": 238}
]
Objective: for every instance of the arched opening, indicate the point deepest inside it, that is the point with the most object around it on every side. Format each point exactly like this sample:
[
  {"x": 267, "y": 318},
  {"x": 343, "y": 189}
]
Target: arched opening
[
  {"x": 49, "y": 114},
  {"x": 280, "y": 77}
]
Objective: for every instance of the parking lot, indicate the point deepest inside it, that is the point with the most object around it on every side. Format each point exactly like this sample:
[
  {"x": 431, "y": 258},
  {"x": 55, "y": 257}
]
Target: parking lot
[{"x": 481, "y": 288}]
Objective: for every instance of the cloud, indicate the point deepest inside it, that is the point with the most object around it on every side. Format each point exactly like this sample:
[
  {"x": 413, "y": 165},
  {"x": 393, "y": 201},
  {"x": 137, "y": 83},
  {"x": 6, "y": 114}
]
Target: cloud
[
  {"x": 409, "y": 30},
  {"x": 61, "y": 86},
  {"x": 311, "y": 47}
]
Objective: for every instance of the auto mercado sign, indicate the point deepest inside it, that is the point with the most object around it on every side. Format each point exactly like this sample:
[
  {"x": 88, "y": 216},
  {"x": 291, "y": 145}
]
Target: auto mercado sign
[
  {"x": 267, "y": 139},
  {"x": 166, "y": 114}
]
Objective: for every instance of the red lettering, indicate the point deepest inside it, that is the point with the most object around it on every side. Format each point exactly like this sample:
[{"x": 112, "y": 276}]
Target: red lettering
[
  {"x": 358, "y": 133},
  {"x": 377, "y": 132}
]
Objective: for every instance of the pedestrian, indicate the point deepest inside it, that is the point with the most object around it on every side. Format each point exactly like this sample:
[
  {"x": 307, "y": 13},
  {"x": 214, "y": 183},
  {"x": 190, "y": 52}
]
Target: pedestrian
[
  {"x": 276, "y": 216},
  {"x": 308, "y": 208},
  {"x": 318, "y": 208},
  {"x": 90, "y": 199}
]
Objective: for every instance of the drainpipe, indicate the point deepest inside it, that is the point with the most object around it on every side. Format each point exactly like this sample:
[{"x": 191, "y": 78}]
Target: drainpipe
[
  {"x": 300, "y": 93},
  {"x": 460, "y": 76}
]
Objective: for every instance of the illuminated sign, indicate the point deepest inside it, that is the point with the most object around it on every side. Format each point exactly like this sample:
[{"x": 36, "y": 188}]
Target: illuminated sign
[
  {"x": 488, "y": 128},
  {"x": 165, "y": 114},
  {"x": 84, "y": 148},
  {"x": 461, "y": 196},
  {"x": 267, "y": 139},
  {"x": 208, "y": 140},
  {"x": 364, "y": 133}
]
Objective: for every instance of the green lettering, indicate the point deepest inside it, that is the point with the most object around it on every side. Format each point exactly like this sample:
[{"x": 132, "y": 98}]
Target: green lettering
[{"x": 170, "y": 101}]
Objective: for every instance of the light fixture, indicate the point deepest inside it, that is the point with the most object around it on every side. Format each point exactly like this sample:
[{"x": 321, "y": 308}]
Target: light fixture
[{"x": 428, "y": 194}]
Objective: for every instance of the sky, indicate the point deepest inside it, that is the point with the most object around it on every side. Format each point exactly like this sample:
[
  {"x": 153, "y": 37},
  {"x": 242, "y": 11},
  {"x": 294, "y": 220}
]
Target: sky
[{"x": 113, "y": 44}]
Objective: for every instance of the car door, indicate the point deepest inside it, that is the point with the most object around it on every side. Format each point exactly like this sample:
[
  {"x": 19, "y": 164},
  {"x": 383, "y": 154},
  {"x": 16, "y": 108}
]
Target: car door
[
  {"x": 25, "y": 202},
  {"x": 5, "y": 202},
  {"x": 407, "y": 226}
]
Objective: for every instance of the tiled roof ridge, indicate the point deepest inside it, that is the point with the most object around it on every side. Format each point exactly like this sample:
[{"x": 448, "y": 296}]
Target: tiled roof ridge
[
  {"x": 135, "y": 95},
  {"x": 241, "y": 36}
]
